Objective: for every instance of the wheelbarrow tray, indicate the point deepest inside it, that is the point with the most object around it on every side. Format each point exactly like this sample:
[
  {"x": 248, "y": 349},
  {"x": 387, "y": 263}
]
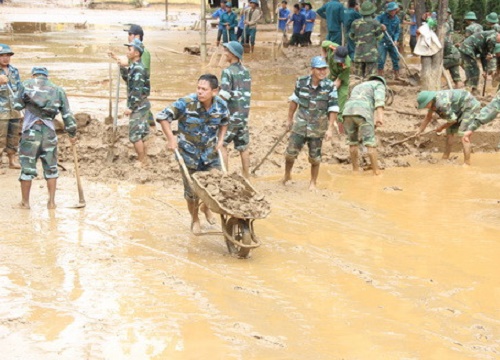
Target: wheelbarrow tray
[{"x": 215, "y": 206}]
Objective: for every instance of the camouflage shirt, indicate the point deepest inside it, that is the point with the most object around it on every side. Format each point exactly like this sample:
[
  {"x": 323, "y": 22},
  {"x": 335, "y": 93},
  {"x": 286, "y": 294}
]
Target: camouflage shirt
[
  {"x": 450, "y": 105},
  {"x": 450, "y": 50},
  {"x": 45, "y": 100},
  {"x": 6, "y": 102},
  {"x": 138, "y": 87},
  {"x": 235, "y": 88},
  {"x": 482, "y": 44},
  {"x": 365, "y": 98},
  {"x": 314, "y": 105},
  {"x": 198, "y": 128},
  {"x": 366, "y": 32},
  {"x": 451, "y": 23},
  {"x": 487, "y": 114},
  {"x": 472, "y": 29}
]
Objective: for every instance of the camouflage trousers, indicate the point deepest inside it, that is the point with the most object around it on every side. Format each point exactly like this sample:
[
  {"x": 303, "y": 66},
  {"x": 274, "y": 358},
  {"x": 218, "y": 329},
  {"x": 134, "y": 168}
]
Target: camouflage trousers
[
  {"x": 471, "y": 70},
  {"x": 39, "y": 141},
  {"x": 453, "y": 66},
  {"x": 9, "y": 135},
  {"x": 364, "y": 69},
  {"x": 138, "y": 127},
  {"x": 357, "y": 128},
  {"x": 468, "y": 117},
  {"x": 343, "y": 94},
  {"x": 296, "y": 143},
  {"x": 240, "y": 135}
]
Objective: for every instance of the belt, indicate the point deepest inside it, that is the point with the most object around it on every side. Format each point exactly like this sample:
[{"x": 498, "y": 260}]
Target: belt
[{"x": 38, "y": 122}]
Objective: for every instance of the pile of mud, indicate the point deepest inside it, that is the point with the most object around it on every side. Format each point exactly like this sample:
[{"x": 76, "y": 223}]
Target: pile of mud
[{"x": 232, "y": 193}]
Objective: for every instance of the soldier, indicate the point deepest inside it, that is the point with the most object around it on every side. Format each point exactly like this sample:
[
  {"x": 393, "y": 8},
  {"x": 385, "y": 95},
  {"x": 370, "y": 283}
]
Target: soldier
[
  {"x": 333, "y": 12},
  {"x": 203, "y": 118},
  {"x": 42, "y": 101},
  {"x": 138, "y": 105},
  {"x": 9, "y": 117},
  {"x": 339, "y": 64},
  {"x": 366, "y": 98},
  {"x": 351, "y": 14},
  {"x": 450, "y": 21},
  {"x": 481, "y": 44},
  {"x": 252, "y": 16},
  {"x": 217, "y": 15},
  {"x": 315, "y": 97},
  {"x": 235, "y": 88},
  {"x": 492, "y": 22},
  {"x": 365, "y": 33},
  {"x": 452, "y": 58},
  {"x": 458, "y": 107},
  {"x": 390, "y": 24},
  {"x": 229, "y": 21},
  {"x": 472, "y": 26}
]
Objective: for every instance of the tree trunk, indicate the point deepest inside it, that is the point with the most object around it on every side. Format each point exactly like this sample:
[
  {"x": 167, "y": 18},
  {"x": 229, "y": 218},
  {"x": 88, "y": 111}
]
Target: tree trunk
[
  {"x": 265, "y": 11},
  {"x": 432, "y": 65}
]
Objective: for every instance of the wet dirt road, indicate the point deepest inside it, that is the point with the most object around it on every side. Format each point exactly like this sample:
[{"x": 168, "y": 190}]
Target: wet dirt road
[{"x": 404, "y": 266}]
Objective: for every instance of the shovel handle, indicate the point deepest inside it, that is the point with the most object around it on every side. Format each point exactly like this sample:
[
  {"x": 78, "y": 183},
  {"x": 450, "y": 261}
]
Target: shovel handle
[
  {"x": 397, "y": 51},
  {"x": 270, "y": 151},
  {"x": 81, "y": 198}
]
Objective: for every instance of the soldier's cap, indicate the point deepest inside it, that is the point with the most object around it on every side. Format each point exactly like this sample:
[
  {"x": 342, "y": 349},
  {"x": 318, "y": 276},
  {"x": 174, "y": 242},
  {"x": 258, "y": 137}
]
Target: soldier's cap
[
  {"x": 492, "y": 18},
  {"x": 340, "y": 54},
  {"x": 424, "y": 98},
  {"x": 379, "y": 78},
  {"x": 228, "y": 4},
  {"x": 39, "y": 70},
  {"x": 135, "y": 30},
  {"x": 136, "y": 44},
  {"x": 367, "y": 8},
  {"x": 392, "y": 6},
  {"x": 471, "y": 15},
  {"x": 318, "y": 62},
  {"x": 327, "y": 43},
  {"x": 5, "y": 49},
  {"x": 234, "y": 48},
  {"x": 497, "y": 49},
  {"x": 448, "y": 10},
  {"x": 254, "y": 2}
]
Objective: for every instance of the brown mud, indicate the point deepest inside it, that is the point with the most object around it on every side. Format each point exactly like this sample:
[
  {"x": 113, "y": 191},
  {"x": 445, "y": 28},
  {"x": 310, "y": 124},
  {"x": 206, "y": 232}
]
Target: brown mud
[{"x": 400, "y": 266}]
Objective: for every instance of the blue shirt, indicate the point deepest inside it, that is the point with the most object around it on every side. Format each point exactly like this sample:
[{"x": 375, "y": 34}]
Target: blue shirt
[
  {"x": 283, "y": 13},
  {"x": 333, "y": 12},
  {"x": 413, "y": 28},
  {"x": 310, "y": 15},
  {"x": 241, "y": 23},
  {"x": 298, "y": 22},
  {"x": 392, "y": 26},
  {"x": 217, "y": 15}
]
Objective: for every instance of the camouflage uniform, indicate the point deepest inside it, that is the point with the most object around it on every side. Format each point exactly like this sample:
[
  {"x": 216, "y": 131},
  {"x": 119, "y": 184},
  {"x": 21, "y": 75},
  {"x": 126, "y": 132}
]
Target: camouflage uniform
[
  {"x": 138, "y": 88},
  {"x": 235, "y": 87},
  {"x": 338, "y": 72},
  {"x": 451, "y": 23},
  {"x": 452, "y": 58},
  {"x": 9, "y": 117},
  {"x": 358, "y": 112},
  {"x": 43, "y": 100},
  {"x": 457, "y": 106},
  {"x": 481, "y": 44},
  {"x": 198, "y": 130},
  {"x": 487, "y": 114},
  {"x": 311, "y": 118},
  {"x": 496, "y": 27},
  {"x": 473, "y": 29},
  {"x": 365, "y": 33}
]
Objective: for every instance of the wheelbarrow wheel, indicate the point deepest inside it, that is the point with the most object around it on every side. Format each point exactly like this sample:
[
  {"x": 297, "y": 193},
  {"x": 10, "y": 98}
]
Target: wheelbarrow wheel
[{"x": 240, "y": 231}]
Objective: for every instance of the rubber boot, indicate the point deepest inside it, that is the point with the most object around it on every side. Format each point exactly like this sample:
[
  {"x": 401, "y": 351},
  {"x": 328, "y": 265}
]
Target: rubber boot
[{"x": 396, "y": 75}]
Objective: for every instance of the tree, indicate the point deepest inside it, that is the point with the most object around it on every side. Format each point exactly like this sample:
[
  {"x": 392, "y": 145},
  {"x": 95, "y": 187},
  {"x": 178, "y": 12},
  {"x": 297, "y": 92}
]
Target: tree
[{"x": 432, "y": 65}]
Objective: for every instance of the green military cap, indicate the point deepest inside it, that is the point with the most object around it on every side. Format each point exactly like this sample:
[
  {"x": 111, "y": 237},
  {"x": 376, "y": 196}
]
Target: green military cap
[
  {"x": 234, "y": 48},
  {"x": 136, "y": 44},
  {"x": 5, "y": 49},
  {"x": 492, "y": 18},
  {"x": 424, "y": 98},
  {"x": 471, "y": 15},
  {"x": 367, "y": 8},
  {"x": 379, "y": 78},
  {"x": 497, "y": 49},
  {"x": 392, "y": 6}
]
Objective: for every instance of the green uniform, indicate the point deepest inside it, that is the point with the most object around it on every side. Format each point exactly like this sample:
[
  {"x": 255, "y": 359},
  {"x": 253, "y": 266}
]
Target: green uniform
[
  {"x": 359, "y": 109},
  {"x": 452, "y": 58},
  {"x": 473, "y": 29},
  {"x": 482, "y": 44},
  {"x": 451, "y": 23},
  {"x": 235, "y": 88},
  {"x": 487, "y": 114},
  {"x": 138, "y": 89},
  {"x": 311, "y": 117},
  {"x": 42, "y": 100},
  {"x": 366, "y": 33},
  {"x": 338, "y": 72},
  {"x": 9, "y": 117},
  {"x": 457, "y": 106}
]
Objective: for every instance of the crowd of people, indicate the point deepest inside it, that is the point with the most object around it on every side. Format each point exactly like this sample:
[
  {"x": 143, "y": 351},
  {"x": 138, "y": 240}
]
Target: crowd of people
[{"x": 217, "y": 114}]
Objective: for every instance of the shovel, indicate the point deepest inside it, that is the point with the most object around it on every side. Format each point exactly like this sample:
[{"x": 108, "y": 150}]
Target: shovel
[
  {"x": 115, "y": 120},
  {"x": 81, "y": 198},
  {"x": 269, "y": 152},
  {"x": 413, "y": 77},
  {"x": 410, "y": 137}
]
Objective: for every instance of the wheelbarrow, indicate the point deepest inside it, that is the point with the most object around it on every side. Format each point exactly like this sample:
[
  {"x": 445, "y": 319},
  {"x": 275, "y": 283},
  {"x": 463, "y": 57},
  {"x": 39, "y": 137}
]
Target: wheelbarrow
[{"x": 237, "y": 228}]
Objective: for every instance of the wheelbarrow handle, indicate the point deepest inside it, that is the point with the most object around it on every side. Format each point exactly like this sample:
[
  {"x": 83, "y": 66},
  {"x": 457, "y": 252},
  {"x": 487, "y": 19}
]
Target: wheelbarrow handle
[
  {"x": 184, "y": 168},
  {"x": 222, "y": 163}
]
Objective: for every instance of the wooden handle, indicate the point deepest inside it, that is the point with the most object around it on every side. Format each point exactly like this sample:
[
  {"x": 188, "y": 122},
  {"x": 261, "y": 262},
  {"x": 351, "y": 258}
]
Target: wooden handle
[
  {"x": 222, "y": 164},
  {"x": 184, "y": 168},
  {"x": 81, "y": 198}
]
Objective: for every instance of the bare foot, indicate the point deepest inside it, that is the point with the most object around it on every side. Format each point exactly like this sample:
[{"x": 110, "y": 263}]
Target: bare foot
[
  {"x": 466, "y": 163},
  {"x": 51, "y": 206},
  {"x": 286, "y": 179},
  {"x": 377, "y": 172},
  {"x": 208, "y": 214},
  {"x": 196, "y": 227},
  {"x": 312, "y": 186},
  {"x": 21, "y": 205},
  {"x": 14, "y": 166}
]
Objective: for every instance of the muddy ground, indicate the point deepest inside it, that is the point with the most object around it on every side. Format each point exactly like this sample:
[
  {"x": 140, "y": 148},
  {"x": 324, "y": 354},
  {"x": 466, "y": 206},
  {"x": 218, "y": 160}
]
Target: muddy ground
[{"x": 399, "y": 266}]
